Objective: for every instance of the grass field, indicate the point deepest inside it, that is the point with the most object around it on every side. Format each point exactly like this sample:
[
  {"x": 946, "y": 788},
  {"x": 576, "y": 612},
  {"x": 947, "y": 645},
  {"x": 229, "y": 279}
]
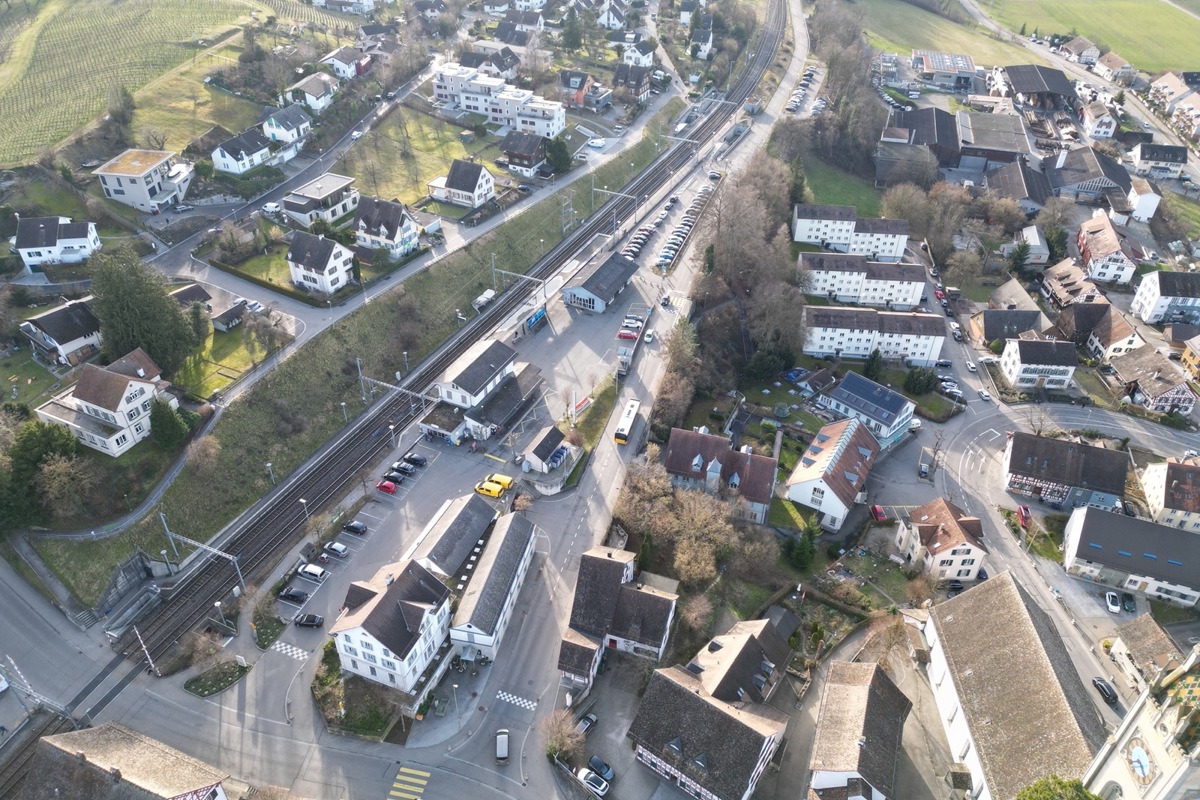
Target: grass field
[
  {"x": 1186, "y": 210},
  {"x": 895, "y": 26},
  {"x": 61, "y": 66},
  {"x": 47, "y": 199},
  {"x": 1149, "y": 35},
  {"x": 31, "y": 380},
  {"x": 832, "y": 186},
  {"x": 223, "y": 359}
]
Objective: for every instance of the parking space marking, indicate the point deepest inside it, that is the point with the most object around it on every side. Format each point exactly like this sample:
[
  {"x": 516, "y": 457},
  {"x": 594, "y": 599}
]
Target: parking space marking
[
  {"x": 290, "y": 650},
  {"x": 528, "y": 705}
]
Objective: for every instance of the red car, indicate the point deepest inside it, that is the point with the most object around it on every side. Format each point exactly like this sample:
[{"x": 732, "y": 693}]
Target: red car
[
  {"x": 878, "y": 513},
  {"x": 1023, "y": 516},
  {"x": 386, "y": 486},
  {"x": 939, "y": 294},
  {"x": 627, "y": 334}
]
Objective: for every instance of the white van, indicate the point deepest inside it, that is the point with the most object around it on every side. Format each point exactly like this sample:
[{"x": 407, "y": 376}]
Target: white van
[
  {"x": 502, "y": 746},
  {"x": 271, "y": 208},
  {"x": 313, "y": 573}
]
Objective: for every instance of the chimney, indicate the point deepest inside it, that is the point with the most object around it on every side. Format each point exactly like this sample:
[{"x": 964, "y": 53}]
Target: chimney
[
  {"x": 82, "y": 756},
  {"x": 141, "y": 373},
  {"x": 115, "y": 773},
  {"x": 1062, "y": 158}
]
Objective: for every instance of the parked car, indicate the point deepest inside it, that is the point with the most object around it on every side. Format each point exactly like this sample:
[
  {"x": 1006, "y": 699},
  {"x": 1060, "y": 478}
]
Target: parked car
[
  {"x": 403, "y": 467},
  {"x": 395, "y": 477},
  {"x": 489, "y": 489},
  {"x": 985, "y": 395},
  {"x": 503, "y": 480},
  {"x": 1113, "y": 602},
  {"x": 1023, "y": 516},
  {"x": 183, "y": 209},
  {"x": 337, "y": 549},
  {"x": 596, "y": 144},
  {"x": 293, "y": 595},
  {"x": 595, "y": 784},
  {"x": 1106, "y": 690},
  {"x": 601, "y": 768},
  {"x": 386, "y": 486},
  {"x": 309, "y": 620},
  {"x": 713, "y": 175},
  {"x": 585, "y": 724},
  {"x": 1128, "y": 603},
  {"x": 524, "y": 188},
  {"x": 878, "y": 514},
  {"x": 649, "y": 336},
  {"x": 943, "y": 362},
  {"x": 356, "y": 527}
]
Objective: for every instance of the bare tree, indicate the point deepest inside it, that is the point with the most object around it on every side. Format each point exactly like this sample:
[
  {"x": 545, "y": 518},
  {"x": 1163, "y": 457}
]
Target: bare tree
[
  {"x": 697, "y": 613},
  {"x": 154, "y": 139},
  {"x": 560, "y": 735},
  {"x": 919, "y": 589},
  {"x": 1056, "y": 213},
  {"x": 1038, "y": 419},
  {"x": 62, "y": 482}
]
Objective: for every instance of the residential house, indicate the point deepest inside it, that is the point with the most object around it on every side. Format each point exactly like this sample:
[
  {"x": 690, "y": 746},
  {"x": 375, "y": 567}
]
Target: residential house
[
  {"x": 580, "y": 90},
  {"x": 506, "y": 33},
  {"x": 851, "y": 278},
  {"x": 242, "y": 153},
  {"x": 1017, "y": 181},
  {"x": 316, "y": 91},
  {"x": 108, "y": 408},
  {"x": 612, "y": 15},
  {"x": 859, "y": 732},
  {"x": 526, "y": 152},
  {"x": 1081, "y": 50},
  {"x": 1098, "y": 122},
  {"x": 838, "y": 228},
  {"x": 1191, "y": 357},
  {"x": 1104, "y": 252},
  {"x": 612, "y": 610},
  {"x": 502, "y": 63},
  {"x": 1152, "y": 380},
  {"x": 886, "y": 413},
  {"x": 1152, "y": 753},
  {"x": 700, "y": 461},
  {"x": 1133, "y": 555},
  {"x": 1176, "y": 335},
  {"x": 1063, "y": 473},
  {"x": 230, "y": 318},
  {"x": 943, "y": 541},
  {"x": 481, "y": 393},
  {"x": 831, "y": 475},
  {"x": 1168, "y": 91},
  {"x": 376, "y": 31},
  {"x": 67, "y": 335},
  {"x": 1112, "y": 335},
  {"x": 709, "y": 727},
  {"x": 846, "y": 332},
  {"x": 1172, "y": 490},
  {"x": 1167, "y": 297},
  {"x": 348, "y": 62},
  {"x": 1012, "y": 295},
  {"x": 1159, "y": 160},
  {"x": 496, "y": 8},
  {"x": 1003, "y": 323},
  {"x": 503, "y": 104},
  {"x": 686, "y": 9},
  {"x": 287, "y": 125},
  {"x": 1038, "y": 253},
  {"x": 385, "y": 225},
  {"x": 1013, "y": 720},
  {"x": 595, "y": 287},
  {"x": 360, "y": 7},
  {"x": 1084, "y": 174},
  {"x": 317, "y": 264},
  {"x": 816, "y": 381},
  {"x": 1065, "y": 284},
  {"x": 468, "y": 184},
  {"x": 190, "y": 294},
  {"x": 113, "y": 762},
  {"x": 635, "y": 80},
  {"x": 148, "y": 180},
  {"x": 639, "y": 54},
  {"x": 394, "y": 629},
  {"x": 1111, "y": 67},
  {"x": 701, "y": 42},
  {"x": 525, "y": 21},
  {"x": 1143, "y": 651},
  {"x": 1140, "y": 203},
  {"x": 327, "y": 198},
  {"x": 54, "y": 240},
  {"x": 430, "y": 9}
]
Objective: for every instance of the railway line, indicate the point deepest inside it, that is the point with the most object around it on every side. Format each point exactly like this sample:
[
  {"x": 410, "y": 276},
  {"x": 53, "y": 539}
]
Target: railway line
[{"x": 265, "y": 534}]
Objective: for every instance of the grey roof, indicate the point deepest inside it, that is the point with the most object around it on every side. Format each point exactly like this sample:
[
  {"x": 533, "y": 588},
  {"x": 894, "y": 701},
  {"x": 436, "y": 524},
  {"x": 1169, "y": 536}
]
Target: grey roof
[
  {"x": 502, "y": 404},
  {"x": 1178, "y": 284},
  {"x": 1149, "y": 647},
  {"x": 828, "y": 261},
  {"x": 395, "y": 611},
  {"x": 191, "y": 293},
  {"x": 857, "y": 318},
  {"x": 490, "y": 362},
  {"x": 786, "y": 623},
  {"x": 1027, "y": 711},
  {"x": 576, "y": 652},
  {"x": 572, "y": 79},
  {"x": 604, "y": 279},
  {"x": 1138, "y": 547},
  {"x": 642, "y": 614},
  {"x": 743, "y": 664},
  {"x": 505, "y": 59},
  {"x": 631, "y": 75},
  {"x": 1018, "y": 181},
  {"x": 597, "y": 588},
  {"x": 523, "y": 17},
  {"x": 1002, "y": 132},
  {"x": 928, "y": 126},
  {"x": 380, "y": 217},
  {"x": 1171, "y": 153},
  {"x": 1067, "y": 462},
  {"x": 67, "y": 323},
  {"x": 473, "y": 60},
  {"x": 507, "y": 32},
  {"x": 526, "y": 144},
  {"x": 310, "y": 252},
  {"x": 291, "y": 117},
  {"x": 860, "y": 724},
  {"x": 46, "y": 231},
  {"x": 870, "y": 399},
  {"x": 1004, "y": 323},
  {"x": 644, "y": 47},
  {"x": 248, "y": 142},
  {"x": 1085, "y": 164},
  {"x": 464, "y": 175},
  {"x": 811, "y": 211},
  {"x": 455, "y": 532},
  {"x": 1052, "y": 354},
  {"x": 113, "y": 762},
  {"x": 495, "y": 574},
  {"x": 1036, "y": 79},
  {"x": 897, "y": 227},
  {"x": 545, "y": 447}
]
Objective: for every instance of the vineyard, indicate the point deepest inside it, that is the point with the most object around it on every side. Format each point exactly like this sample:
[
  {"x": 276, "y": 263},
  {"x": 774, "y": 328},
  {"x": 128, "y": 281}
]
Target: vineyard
[
  {"x": 76, "y": 51},
  {"x": 291, "y": 10}
]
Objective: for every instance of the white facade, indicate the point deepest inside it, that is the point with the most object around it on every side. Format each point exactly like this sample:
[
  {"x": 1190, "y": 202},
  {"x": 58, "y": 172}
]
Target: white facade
[
  {"x": 405, "y": 239},
  {"x": 1115, "y": 267},
  {"x": 944, "y": 541},
  {"x": 821, "y": 479},
  {"x": 149, "y": 180},
  {"x": 231, "y": 158},
  {"x": 459, "y": 386},
  {"x": 55, "y": 240},
  {"x": 1105, "y": 350},
  {"x": 328, "y": 272},
  {"x": 347, "y": 63},
  {"x": 837, "y": 228},
  {"x": 1024, "y": 377},
  {"x": 281, "y": 128},
  {"x": 954, "y": 722},
  {"x": 1154, "y": 485},
  {"x": 317, "y": 91},
  {"x": 468, "y": 632},
  {"x": 1155, "y": 304},
  {"x": 905, "y": 336},
  {"x": 1098, "y": 122},
  {"x": 636, "y": 58},
  {"x": 364, "y": 655},
  {"x": 328, "y": 198},
  {"x": 502, "y": 103},
  {"x": 869, "y": 287}
]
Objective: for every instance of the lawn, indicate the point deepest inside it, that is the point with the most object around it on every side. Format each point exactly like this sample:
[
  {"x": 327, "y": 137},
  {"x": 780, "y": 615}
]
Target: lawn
[
  {"x": 271, "y": 266},
  {"x": 42, "y": 198},
  {"x": 1148, "y": 35},
  {"x": 895, "y": 26},
  {"x": 1166, "y": 613},
  {"x": 594, "y": 420},
  {"x": 25, "y": 380},
  {"x": 832, "y": 186},
  {"x": 61, "y": 65},
  {"x": 786, "y": 514},
  {"x": 219, "y": 363},
  {"x": 1091, "y": 383},
  {"x": 770, "y": 395},
  {"x": 1184, "y": 209}
]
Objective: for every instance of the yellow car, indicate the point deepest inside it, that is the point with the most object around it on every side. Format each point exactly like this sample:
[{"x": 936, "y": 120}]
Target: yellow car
[
  {"x": 503, "y": 480},
  {"x": 489, "y": 489}
]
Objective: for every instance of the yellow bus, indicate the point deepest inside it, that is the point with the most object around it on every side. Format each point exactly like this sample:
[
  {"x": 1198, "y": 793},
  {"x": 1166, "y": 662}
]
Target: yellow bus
[{"x": 628, "y": 417}]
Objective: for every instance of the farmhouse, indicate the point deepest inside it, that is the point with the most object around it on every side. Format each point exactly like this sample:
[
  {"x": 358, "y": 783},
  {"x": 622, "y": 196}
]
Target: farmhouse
[
  {"x": 1167, "y": 297},
  {"x": 1081, "y": 50},
  {"x": 943, "y": 541},
  {"x": 468, "y": 184},
  {"x": 327, "y": 198},
  {"x": 597, "y": 285},
  {"x": 831, "y": 475},
  {"x": 1111, "y": 67},
  {"x": 703, "y": 462},
  {"x": 317, "y": 264},
  {"x": 1084, "y": 174},
  {"x": 849, "y": 278},
  {"x": 1105, "y": 255},
  {"x": 1153, "y": 381},
  {"x": 54, "y": 240},
  {"x": 1065, "y": 284},
  {"x": 526, "y": 152},
  {"x": 148, "y": 180},
  {"x": 1098, "y": 121},
  {"x": 847, "y": 332},
  {"x": 67, "y": 335},
  {"x": 1062, "y": 473},
  {"x": 242, "y": 153},
  {"x": 385, "y": 225},
  {"x": 315, "y": 91}
]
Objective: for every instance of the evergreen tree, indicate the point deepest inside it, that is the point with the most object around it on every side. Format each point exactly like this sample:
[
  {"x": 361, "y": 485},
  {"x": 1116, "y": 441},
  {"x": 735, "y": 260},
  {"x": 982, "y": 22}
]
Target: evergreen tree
[
  {"x": 167, "y": 428},
  {"x": 1055, "y": 788},
  {"x": 1019, "y": 256},
  {"x": 557, "y": 154},
  {"x": 35, "y": 442},
  {"x": 572, "y": 31},
  {"x": 873, "y": 369}
]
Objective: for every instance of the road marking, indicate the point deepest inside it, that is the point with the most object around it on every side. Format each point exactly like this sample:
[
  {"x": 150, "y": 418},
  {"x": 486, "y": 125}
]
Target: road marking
[
  {"x": 496, "y": 458},
  {"x": 290, "y": 650},
  {"x": 409, "y": 783},
  {"x": 529, "y": 705}
]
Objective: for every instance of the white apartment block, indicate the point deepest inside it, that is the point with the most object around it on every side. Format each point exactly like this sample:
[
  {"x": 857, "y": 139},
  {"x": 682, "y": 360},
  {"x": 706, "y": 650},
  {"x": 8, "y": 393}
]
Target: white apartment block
[
  {"x": 855, "y": 332},
  {"x": 1164, "y": 297},
  {"x": 839, "y": 229},
  {"x": 849, "y": 278},
  {"x": 502, "y": 103},
  {"x": 1037, "y": 364}
]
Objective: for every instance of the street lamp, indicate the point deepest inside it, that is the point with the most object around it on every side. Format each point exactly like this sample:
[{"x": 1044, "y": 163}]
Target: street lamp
[
  {"x": 457, "y": 713},
  {"x": 345, "y": 418},
  {"x": 271, "y": 472},
  {"x": 220, "y": 613},
  {"x": 405, "y": 354},
  {"x": 392, "y": 432},
  {"x": 304, "y": 505},
  {"x": 166, "y": 561},
  {"x": 542, "y": 245}
]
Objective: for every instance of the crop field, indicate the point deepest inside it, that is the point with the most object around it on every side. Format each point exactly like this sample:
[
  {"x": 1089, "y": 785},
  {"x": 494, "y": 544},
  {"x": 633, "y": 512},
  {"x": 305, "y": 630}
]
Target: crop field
[
  {"x": 1152, "y": 36},
  {"x": 895, "y": 26},
  {"x": 61, "y": 66}
]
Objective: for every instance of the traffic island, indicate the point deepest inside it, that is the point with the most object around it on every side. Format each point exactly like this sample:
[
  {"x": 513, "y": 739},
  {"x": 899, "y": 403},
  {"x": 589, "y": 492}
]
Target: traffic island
[{"x": 216, "y": 678}]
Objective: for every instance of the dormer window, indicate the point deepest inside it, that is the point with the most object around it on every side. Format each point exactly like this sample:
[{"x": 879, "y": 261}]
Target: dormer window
[
  {"x": 701, "y": 762},
  {"x": 697, "y": 463},
  {"x": 675, "y": 746}
]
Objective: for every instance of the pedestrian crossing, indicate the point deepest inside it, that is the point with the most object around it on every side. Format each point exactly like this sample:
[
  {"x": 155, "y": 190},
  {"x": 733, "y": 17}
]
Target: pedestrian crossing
[
  {"x": 528, "y": 705},
  {"x": 409, "y": 784},
  {"x": 290, "y": 650}
]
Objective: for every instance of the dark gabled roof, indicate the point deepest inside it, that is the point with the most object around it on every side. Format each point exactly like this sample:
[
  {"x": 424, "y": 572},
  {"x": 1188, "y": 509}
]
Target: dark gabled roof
[
  {"x": 136, "y": 364},
  {"x": 1004, "y": 323},
  {"x": 473, "y": 60},
  {"x": 456, "y": 532},
  {"x": 526, "y": 144},
  {"x": 393, "y": 614},
  {"x": 644, "y": 47},
  {"x": 491, "y": 361},
  {"x": 291, "y": 117},
  {"x": 40, "y": 232},
  {"x": 505, "y": 59},
  {"x": 310, "y": 252},
  {"x": 367, "y": 31},
  {"x": 1069, "y": 463},
  {"x": 464, "y": 175},
  {"x": 522, "y": 17},
  {"x": 786, "y": 623},
  {"x": 192, "y": 293},
  {"x": 1085, "y": 164},
  {"x": 1018, "y": 181},
  {"x": 928, "y": 126},
  {"x": 837, "y": 213},
  {"x": 248, "y": 142},
  {"x": 881, "y": 225},
  {"x": 870, "y": 399},
  {"x": 495, "y": 574},
  {"x": 605, "y": 279},
  {"x": 1051, "y": 354},
  {"x": 1138, "y": 546},
  {"x": 1178, "y": 284},
  {"x": 643, "y": 614},
  {"x": 700, "y": 34},
  {"x": 572, "y": 79},
  {"x": 1181, "y": 488},
  {"x": 67, "y": 323},
  {"x": 1036, "y": 79},
  {"x": 755, "y": 473},
  {"x": 507, "y": 32},
  {"x": 380, "y": 217},
  {"x": 860, "y": 724},
  {"x": 1171, "y": 153},
  {"x": 630, "y": 75},
  {"x": 597, "y": 589},
  {"x": 509, "y": 398},
  {"x": 576, "y": 652},
  {"x": 742, "y": 664},
  {"x": 549, "y": 442}
]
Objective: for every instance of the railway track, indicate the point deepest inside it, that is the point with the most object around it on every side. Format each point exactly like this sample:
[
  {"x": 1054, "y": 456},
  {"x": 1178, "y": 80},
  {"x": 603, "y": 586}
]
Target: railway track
[
  {"x": 267, "y": 533},
  {"x": 16, "y": 764}
]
